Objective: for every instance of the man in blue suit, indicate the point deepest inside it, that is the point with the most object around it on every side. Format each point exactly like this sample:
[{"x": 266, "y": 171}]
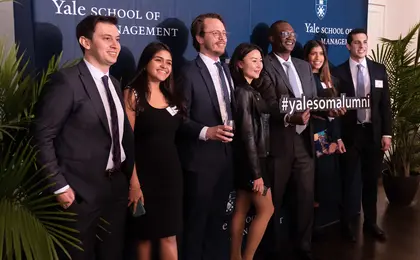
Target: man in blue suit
[{"x": 205, "y": 147}]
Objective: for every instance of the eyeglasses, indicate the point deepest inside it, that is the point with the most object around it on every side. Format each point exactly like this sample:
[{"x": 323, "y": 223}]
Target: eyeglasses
[
  {"x": 288, "y": 34},
  {"x": 218, "y": 34}
]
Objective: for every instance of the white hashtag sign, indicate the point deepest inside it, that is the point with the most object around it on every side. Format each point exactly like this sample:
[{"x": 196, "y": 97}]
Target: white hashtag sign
[{"x": 292, "y": 105}]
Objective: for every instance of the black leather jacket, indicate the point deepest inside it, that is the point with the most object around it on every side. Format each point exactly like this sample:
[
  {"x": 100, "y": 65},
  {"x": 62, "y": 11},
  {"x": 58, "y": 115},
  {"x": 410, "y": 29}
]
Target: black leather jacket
[{"x": 252, "y": 129}]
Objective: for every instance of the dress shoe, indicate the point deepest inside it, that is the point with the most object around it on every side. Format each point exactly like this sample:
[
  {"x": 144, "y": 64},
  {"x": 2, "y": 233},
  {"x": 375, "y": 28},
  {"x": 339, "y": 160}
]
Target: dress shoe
[
  {"x": 375, "y": 231},
  {"x": 347, "y": 231}
]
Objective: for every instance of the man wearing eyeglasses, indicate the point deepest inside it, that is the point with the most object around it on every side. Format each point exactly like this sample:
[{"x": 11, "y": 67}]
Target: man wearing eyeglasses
[
  {"x": 205, "y": 144},
  {"x": 291, "y": 161}
]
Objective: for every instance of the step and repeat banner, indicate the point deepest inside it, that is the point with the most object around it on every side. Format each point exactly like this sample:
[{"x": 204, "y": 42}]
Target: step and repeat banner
[
  {"x": 47, "y": 27},
  {"x": 142, "y": 21}
]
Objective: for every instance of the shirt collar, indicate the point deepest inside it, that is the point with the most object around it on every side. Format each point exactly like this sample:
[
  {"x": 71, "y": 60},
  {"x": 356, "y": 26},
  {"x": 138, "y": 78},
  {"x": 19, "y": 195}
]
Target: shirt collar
[
  {"x": 207, "y": 60},
  {"x": 353, "y": 63},
  {"x": 283, "y": 60},
  {"x": 95, "y": 72}
]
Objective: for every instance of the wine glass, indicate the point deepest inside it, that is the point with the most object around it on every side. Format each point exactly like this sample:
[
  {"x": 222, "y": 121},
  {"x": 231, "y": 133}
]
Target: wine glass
[{"x": 230, "y": 123}]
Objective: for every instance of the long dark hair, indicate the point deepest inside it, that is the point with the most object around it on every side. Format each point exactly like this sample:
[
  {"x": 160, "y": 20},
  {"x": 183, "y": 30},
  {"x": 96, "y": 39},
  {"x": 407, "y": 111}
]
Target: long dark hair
[
  {"x": 140, "y": 82},
  {"x": 238, "y": 55},
  {"x": 324, "y": 71}
]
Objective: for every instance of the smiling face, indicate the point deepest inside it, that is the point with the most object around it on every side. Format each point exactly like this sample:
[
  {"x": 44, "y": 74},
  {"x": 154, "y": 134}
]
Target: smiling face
[
  {"x": 316, "y": 58},
  {"x": 358, "y": 46},
  {"x": 214, "y": 39},
  {"x": 283, "y": 39},
  {"x": 251, "y": 65},
  {"x": 160, "y": 66},
  {"x": 104, "y": 47}
]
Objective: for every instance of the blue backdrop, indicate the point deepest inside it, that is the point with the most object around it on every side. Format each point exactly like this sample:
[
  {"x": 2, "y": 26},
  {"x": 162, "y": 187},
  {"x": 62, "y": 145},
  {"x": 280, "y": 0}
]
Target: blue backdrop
[
  {"x": 47, "y": 27},
  {"x": 50, "y": 24}
]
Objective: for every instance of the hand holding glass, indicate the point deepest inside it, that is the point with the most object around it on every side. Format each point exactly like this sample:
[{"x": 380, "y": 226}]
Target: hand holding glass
[{"x": 230, "y": 123}]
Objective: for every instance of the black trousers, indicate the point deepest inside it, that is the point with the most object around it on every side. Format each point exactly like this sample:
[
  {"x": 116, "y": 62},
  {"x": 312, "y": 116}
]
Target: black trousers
[
  {"x": 101, "y": 227},
  {"x": 360, "y": 168},
  {"x": 296, "y": 168},
  {"x": 206, "y": 233}
]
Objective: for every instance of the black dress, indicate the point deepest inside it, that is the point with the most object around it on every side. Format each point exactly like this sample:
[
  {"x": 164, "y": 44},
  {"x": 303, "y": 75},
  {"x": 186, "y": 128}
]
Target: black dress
[
  {"x": 251, "y": 140},
  {"x": 160, "y": 174},
  {"x": 327, "y": 178}
]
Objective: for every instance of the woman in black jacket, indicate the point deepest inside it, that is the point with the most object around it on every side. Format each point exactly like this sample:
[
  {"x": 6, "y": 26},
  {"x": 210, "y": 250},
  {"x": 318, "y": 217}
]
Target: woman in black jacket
[{"x": 251, "y": 149}]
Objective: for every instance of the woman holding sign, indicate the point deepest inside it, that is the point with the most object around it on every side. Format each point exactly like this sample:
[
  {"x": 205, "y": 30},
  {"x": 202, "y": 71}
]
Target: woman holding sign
[
  {"x": 326, "y": 130},
  {"x": 251, "y": 149}
]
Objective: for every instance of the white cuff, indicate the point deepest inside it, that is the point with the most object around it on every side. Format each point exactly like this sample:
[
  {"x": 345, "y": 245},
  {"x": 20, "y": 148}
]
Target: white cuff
[
  {"x": 203, "y": 133},
  {"x": 285, "y": 123},
  {"x": 387, "y": 136},
  {"x": 62, "y": 189}
]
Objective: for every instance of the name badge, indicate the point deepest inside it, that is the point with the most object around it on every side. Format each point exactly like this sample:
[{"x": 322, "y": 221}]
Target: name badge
[
  {"x": 379, "y": 84},
  {"x": 172, "y": 110}
]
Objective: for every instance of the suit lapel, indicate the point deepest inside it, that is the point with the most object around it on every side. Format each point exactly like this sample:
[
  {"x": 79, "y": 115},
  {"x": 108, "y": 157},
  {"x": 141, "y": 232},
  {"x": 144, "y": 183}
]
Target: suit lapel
[
  {"x": 371, "y": 78},
  {"x": 231, "y": 86},
  {"x": 92, "y": 90},
  {"x": 118, "y": 90},
  {"x": 349, "y": 79},
  {"x": 126, "y": 124},
  {"x": 209, "y": 83},
  {"x": 299, "y": 68},
  {"x": 228, "y": 76},
  {"x": 279, "y": 68}
]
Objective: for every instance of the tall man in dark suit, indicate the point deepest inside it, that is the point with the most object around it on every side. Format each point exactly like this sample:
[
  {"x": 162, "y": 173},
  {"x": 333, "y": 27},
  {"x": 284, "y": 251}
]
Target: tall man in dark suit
[
  {"x": 365, "y": 132},
  {"x": 292, "y": 147},
  {"x": 206, "y": 150},
  {"x": 86, "y": 142}
]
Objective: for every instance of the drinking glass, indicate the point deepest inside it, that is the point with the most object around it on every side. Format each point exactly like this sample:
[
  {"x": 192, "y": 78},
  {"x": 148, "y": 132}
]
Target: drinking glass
[{"x": 230, "y": 123}]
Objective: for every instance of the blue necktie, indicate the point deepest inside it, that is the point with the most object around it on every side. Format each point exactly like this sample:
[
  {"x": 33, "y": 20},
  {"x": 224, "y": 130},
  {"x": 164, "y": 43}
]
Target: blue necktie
[
  {"x": 293, "y": 82},
  {"x": 115, "y": 133},
  {"x": 361, "y": 92},
  {"x": 225, "y": 90}
]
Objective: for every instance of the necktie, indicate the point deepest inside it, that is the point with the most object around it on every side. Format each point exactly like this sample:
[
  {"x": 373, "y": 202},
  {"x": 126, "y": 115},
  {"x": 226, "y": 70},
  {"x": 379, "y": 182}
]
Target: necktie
[
  {"x": 293, "y": 82},
  {"x": 225, "y": 90},
  {"x": 116, "y": 149},
  {"x": 361, "y": 92}
]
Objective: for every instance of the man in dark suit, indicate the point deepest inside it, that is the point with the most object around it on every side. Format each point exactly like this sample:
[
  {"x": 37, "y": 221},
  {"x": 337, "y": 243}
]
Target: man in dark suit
[
  {"x": 365, "y": 132},
  {"x": 292, "y": 148},
  {"x": 205, "y": 150},
  {"x": 85, "y": 141}
]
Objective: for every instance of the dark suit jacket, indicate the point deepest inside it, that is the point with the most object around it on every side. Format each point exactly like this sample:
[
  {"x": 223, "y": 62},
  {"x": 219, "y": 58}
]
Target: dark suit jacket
[
  {"x": 72, "y": 134},
  {"x": 273, "y": 84},
  {"x": 379, "y": 102},
  {"x": 195, "y": 82},
  {"x": 334, "y": 126}
]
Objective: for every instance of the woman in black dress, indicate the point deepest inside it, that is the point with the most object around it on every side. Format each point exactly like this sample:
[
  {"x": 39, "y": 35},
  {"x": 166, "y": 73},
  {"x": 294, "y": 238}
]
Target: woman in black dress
[
  {"x": 251, "y": 149},
  {"x": 155, "y": 114},
  {"x": 327, "y": 178}
]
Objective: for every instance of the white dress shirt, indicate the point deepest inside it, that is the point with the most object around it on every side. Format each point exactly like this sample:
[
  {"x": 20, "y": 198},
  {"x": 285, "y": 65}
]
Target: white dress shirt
[
  {"x": 366, "y": 77},
  {"x": 214, "y": 73},
  {"x": 292, "y": 66},
  {"x": 299, "y": 83},
  {"x": 97, "y": 77}
]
